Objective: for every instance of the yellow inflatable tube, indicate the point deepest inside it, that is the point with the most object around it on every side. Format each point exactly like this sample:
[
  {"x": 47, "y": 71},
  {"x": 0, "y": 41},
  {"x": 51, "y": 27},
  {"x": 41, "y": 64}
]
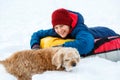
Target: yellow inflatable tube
[{"x": 52, "y": 41}]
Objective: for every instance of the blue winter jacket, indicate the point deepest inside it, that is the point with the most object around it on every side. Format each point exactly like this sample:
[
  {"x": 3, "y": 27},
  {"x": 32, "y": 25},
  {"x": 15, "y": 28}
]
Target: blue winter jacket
[{"x": 84, "y": 36}]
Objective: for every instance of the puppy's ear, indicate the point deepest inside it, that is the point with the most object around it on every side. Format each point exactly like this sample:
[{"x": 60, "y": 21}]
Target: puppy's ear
[
  {"x": 78, "y": 55},
  {"x": 57, "y": 59}
]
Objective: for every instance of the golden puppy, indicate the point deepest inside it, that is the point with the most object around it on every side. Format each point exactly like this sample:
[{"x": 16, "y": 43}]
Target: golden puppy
[{"x": 24, "y": 64}]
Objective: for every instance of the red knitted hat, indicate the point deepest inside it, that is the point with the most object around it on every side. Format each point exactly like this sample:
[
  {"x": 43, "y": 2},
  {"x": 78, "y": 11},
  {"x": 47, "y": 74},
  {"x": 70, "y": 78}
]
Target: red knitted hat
[{"x": 61, "y": 16}]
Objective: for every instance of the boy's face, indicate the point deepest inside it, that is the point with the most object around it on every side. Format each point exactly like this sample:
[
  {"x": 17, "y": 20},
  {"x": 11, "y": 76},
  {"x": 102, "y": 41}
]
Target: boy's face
[{"x": 62, "y": 30}]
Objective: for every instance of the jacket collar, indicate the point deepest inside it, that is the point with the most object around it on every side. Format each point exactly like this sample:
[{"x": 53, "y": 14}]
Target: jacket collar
[{"x": 74, "y": 20}]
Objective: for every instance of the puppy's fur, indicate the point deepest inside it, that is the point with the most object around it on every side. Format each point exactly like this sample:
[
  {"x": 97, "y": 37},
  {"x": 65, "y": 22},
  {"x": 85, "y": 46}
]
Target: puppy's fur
[{"x": 24, "y": 64}]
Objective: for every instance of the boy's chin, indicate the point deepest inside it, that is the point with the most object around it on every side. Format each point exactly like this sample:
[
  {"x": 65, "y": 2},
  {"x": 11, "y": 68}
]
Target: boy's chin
[{"x": 63, "y": 36}]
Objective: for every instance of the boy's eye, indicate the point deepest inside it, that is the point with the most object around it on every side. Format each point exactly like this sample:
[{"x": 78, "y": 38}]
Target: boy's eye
[{"x": 56, "y": 28}]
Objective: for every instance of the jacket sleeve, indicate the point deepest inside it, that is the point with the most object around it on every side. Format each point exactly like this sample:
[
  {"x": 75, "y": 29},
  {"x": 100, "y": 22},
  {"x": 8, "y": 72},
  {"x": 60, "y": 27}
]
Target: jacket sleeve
[
  {"x": 37, "y": 36},
  {"x": 84, "y": 42}
]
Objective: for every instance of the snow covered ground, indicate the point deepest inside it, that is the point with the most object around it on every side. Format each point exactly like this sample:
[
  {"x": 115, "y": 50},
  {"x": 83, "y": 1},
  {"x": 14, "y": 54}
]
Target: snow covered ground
[{"x": 20, "y": 18}]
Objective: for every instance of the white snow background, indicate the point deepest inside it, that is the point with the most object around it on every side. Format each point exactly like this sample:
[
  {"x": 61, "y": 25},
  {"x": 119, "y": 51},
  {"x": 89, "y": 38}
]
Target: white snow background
[{"x": 20, "y": 18}]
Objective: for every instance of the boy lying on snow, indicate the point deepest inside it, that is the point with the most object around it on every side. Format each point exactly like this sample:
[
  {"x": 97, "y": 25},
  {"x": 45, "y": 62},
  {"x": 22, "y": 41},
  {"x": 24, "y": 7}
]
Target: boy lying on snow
[{"x": 68, "y": 24}]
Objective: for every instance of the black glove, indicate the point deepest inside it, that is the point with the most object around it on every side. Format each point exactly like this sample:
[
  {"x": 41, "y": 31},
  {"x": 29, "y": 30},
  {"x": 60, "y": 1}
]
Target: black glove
[{"x": 36, "y": 46}]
